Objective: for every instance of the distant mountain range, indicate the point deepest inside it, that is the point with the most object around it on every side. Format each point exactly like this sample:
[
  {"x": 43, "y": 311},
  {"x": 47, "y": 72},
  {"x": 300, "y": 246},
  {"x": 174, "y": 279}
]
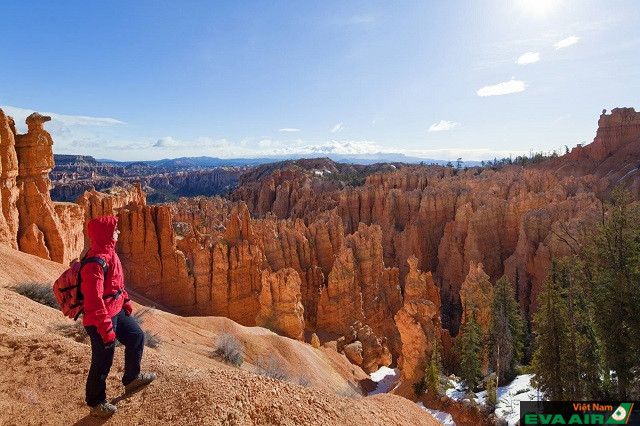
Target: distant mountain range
[{"x": 365, "y": 159}]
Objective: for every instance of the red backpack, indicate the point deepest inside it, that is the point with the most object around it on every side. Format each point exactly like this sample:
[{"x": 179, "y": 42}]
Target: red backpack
[{"x": 67, "y": 287}]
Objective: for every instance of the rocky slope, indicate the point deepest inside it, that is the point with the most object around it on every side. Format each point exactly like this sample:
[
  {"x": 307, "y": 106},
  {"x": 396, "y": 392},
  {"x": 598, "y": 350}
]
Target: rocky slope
[{"x": 41, "y": 364}]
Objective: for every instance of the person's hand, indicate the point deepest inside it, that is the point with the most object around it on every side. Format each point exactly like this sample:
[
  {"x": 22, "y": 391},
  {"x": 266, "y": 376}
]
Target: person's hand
[
  {"x": 128, "y": 307},
  {"x": 109, "y": 340}
]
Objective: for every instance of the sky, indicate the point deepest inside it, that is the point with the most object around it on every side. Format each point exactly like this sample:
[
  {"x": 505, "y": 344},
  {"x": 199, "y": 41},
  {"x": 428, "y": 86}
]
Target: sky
[{"x": 144, "y": 80}]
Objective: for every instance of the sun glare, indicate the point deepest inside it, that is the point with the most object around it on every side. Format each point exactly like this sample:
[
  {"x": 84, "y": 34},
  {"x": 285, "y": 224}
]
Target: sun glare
[{"x": 538, "y": 8}]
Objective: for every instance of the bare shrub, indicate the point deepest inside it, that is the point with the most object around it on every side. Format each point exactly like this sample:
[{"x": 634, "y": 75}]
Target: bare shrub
[
  {"x": 151, "y": 340},
  {"x": 229, "y": 349},
  {"x": 74, "y": 330},
  {"x": 139, "y": 314},
  {"x": 41, "y": 293}
]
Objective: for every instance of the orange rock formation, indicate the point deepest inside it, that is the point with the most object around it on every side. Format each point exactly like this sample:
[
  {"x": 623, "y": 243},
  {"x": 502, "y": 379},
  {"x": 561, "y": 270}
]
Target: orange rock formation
[
  {"x": 476, "y": 295},
  {"x": 9, "y": 220},
  {"x": 281, "y": 303},
  {"x": 31, "y": 220}
]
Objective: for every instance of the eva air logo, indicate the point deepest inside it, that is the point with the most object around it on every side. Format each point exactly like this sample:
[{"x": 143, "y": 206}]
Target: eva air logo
[{"x": 621, "y": 415}]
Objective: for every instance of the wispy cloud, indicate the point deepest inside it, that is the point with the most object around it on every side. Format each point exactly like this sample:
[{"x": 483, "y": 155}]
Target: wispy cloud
[
  {"x": 204, "y": 142},
  {"x": 167, "y": 142},
  {"x": 528, "y": 58},
  {"x": 504, "y": 88},
  {"x": 569, "y": 41},
  {"x": 442, "y": 125},
  {"x": 288, "y": 129},
  {"x": 20, "y": 114},
  {"x": 563, "y": 117},
  {"x": 337, "y": 128}
]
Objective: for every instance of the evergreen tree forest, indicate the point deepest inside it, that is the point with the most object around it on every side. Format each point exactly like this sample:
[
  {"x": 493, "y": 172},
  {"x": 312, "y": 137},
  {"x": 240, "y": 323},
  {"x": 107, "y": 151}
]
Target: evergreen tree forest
[
  {"x": 587, "y": 328},
  {"x": 584, "y": 337}
]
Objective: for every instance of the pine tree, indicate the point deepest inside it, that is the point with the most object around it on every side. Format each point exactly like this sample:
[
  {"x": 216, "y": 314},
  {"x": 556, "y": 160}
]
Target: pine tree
[
  {"x": 583, "y": 349},
  {"x": 470, "y": 346},
  {"x": 550, "y": 328},
  {"x": 566, "y": 360},
  {"x": 433, "y": 372},
  {"x": 492, "y": 396},
  {"x": 506, "y": 332}
]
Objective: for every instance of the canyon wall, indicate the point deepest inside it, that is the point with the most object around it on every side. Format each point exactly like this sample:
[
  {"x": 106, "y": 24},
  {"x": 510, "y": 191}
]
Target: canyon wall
[
  {"x": 334, "y": 258},
  {"x": 384, "y": 270},
  {"x": 9, "y": 219},
  {"x": 70, "y": 181}
]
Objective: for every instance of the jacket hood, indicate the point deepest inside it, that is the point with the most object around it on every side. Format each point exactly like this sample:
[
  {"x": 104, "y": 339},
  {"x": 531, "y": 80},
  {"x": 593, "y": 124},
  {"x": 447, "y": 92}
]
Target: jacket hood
[{"x": 100, "y": 231}]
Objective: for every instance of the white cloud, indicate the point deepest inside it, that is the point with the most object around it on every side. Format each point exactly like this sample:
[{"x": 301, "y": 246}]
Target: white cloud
[
  {"x": 20, "y": 114},
  {"x": 288, "y": 129},
  {"x": 167, "y": 142},
  {"x": 569, "y": 41},
  {"x": 504, "y": 88},
  {"x": 528, "y": 58},
  {"x": 337, "y": 128},
  {"x": 442, "y": 125},
  {"x": 332, "y": 147},
  {"x": 199, "y": 144}
]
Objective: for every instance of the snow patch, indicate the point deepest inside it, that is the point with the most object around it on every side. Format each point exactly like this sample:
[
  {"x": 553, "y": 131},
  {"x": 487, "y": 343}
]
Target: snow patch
[
  {"x": 443, "y": 417},
  {"x": 509, "y": 396},
  {"x": 457, "y": 391},
  {"x": 385, "y": 377}
]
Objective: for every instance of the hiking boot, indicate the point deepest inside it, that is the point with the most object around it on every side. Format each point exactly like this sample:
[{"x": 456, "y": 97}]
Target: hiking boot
[
  {"x": 142, "y": 379},
  {"x": 103, "y": 410}
]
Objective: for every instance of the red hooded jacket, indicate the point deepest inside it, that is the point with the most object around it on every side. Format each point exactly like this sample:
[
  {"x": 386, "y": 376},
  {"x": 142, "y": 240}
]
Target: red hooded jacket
[{"x": 104, "y": 297}]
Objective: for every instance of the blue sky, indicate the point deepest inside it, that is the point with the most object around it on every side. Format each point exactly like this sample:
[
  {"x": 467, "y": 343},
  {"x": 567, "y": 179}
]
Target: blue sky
[{"x": 477, "y": 79}]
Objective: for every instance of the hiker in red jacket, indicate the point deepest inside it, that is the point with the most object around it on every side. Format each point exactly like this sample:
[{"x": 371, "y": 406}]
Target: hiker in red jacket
[{"x": 107, "y": 316}]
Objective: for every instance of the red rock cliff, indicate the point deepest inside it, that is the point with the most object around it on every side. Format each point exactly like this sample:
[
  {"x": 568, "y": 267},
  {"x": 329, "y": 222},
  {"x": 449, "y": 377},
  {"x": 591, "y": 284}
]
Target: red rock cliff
[
  {"x": 9, "y": 220},
  {"x": 46, "y": 229}
]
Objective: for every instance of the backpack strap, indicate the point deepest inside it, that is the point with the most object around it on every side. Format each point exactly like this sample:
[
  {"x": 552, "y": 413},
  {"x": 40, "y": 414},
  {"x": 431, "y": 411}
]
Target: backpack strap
[
  {"x": 84, "y": 261},
  {"x": 98, "y": 260}
]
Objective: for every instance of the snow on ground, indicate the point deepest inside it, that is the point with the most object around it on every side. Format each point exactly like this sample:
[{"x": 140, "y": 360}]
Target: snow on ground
[
  {"x": 509, "y": 396},
  {"x": 457, "y": 391},
  {"x": 444, "y": 418},
  {"x": 385, "y": 377}
]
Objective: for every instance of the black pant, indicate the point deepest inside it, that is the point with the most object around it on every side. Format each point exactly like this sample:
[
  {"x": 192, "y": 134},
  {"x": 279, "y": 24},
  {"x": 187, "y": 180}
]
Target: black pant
[{"x": 128, "y": 333}]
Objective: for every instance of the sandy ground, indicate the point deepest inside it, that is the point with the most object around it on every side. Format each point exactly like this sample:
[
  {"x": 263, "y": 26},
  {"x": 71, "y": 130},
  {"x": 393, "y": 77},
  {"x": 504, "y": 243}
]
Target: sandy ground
[{"x": 43, "y": 372}]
